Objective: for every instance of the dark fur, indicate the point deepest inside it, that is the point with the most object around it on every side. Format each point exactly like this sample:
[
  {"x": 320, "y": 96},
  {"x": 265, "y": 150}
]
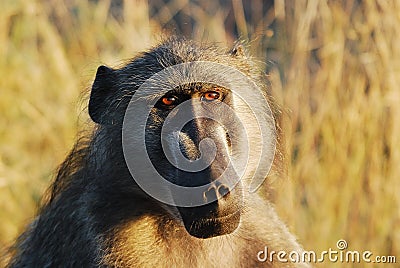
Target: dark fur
[{"x": 97, "y": 216}]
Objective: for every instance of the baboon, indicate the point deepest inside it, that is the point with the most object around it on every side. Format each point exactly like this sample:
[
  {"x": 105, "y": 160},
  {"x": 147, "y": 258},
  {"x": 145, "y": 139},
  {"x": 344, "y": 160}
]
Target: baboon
[{"x": 97, "y": 214}]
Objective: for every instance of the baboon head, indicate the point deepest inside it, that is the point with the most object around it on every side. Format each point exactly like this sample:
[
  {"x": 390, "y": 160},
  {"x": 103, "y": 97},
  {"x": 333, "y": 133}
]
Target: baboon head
[{"x": 189, "y": 135}]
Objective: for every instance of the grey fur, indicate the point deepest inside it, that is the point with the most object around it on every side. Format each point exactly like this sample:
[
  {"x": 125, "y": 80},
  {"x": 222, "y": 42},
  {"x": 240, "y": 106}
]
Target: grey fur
[{"x": 97, "y": 216}]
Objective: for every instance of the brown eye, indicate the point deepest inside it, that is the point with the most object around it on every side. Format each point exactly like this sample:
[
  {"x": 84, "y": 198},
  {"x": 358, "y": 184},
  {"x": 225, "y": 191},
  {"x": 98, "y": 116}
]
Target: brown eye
[
  {"x": 168, "y": 100},
  {"x": 211, "y": 96}
]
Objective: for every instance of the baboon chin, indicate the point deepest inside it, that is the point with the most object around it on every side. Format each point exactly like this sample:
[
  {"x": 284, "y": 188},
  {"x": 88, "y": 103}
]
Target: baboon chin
[
  {"x": 184, "y": 136},
  {"x": 213, "y": 219},
  {"x": 211, "y": 226}
]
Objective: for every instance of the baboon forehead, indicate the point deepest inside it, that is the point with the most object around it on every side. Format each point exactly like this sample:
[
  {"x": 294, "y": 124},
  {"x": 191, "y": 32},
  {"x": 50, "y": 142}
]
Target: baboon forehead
[
  {"x": 183, "y": 50},
  {"x": 174, "y": 50}
]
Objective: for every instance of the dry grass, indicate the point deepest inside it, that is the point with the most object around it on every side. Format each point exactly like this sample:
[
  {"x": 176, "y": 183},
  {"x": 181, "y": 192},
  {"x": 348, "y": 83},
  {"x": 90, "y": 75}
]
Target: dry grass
[{"x": 337, "y": 78}]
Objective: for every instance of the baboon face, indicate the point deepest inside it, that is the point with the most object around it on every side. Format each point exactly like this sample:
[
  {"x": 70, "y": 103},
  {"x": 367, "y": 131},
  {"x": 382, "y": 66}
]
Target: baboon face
[
  {"x": 208, "y": 140},
  {"x": 221, "y": 213}
]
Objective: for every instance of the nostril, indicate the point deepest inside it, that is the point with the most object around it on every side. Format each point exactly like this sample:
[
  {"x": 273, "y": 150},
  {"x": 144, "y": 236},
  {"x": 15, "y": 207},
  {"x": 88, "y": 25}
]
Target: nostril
[
  {"x": 223, "y": 190},
  {"x": 210, "y": 195}
]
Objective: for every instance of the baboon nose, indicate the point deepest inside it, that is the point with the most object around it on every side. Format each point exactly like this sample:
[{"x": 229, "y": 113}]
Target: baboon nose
[{"x": 215, "y": 192}]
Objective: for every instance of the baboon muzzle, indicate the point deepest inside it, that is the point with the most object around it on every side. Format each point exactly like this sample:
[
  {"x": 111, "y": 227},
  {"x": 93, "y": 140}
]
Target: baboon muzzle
[{"x": 220, "y": 213}]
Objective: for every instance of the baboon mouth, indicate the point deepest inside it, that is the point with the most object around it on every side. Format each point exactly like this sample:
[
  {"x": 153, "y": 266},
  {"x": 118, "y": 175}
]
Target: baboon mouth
[{"x": 211, "y": 227}]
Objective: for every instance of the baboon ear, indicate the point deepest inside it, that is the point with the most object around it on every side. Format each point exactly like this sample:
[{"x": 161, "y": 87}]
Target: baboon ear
[
  {"x": 238, "y": 50},
  {"x": 102, "y": 96}
]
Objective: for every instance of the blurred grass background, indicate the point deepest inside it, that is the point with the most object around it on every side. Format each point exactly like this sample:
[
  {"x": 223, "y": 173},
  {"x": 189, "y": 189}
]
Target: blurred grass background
[{"x": 335, "y": 70}]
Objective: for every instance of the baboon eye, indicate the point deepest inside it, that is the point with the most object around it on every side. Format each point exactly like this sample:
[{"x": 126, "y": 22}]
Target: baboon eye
[
  {"x": 211, "y": 96},
  {"x": 168, "y": 100}
]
